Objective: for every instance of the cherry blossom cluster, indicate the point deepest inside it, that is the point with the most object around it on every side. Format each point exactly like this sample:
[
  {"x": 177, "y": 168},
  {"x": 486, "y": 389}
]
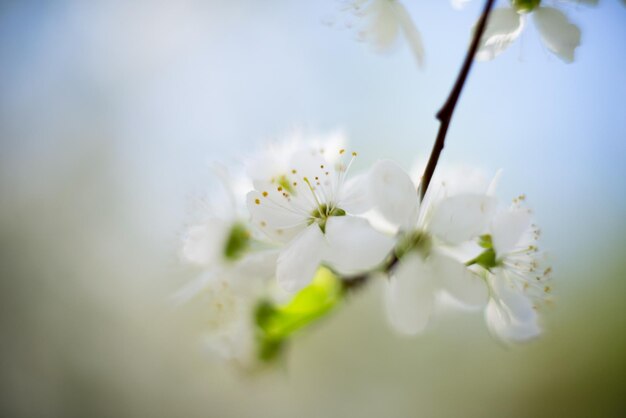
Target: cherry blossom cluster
[{"x": 300, "y": 210}]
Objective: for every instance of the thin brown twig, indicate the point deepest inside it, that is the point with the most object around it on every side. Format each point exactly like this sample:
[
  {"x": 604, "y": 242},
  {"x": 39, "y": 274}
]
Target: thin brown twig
[{"x": 445, "y": 113}]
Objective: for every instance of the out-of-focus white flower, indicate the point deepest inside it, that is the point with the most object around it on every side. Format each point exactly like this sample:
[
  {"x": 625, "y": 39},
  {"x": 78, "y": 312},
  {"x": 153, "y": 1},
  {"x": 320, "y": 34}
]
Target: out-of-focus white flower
[
  {"x": 515, "y": 273},
  {"x": 505, "y": 25},
  {"x": 459, "y": 4},
  {"x": 383, "y": 22},
  {"x": 425, "y": 267},
  {"x": 236, "y": 267},
  {"x": 307, "y": 205},
  {"x": 223, "y": 314}
]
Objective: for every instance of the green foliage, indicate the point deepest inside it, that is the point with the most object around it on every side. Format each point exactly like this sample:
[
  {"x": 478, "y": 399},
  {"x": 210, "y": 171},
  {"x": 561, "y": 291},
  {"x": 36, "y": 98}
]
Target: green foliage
[
  {"x": 237, "y": 242},
  {"x": 276, "y": 323}
]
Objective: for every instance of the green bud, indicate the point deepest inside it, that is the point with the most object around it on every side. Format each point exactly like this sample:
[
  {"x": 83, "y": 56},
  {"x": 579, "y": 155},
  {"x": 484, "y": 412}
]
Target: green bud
[
  {"x": 525, "y": 6},
  {"x": 237, "y": 242},
  {"x": 485, "y": 241},
  {"x": 486, "y": 259}
]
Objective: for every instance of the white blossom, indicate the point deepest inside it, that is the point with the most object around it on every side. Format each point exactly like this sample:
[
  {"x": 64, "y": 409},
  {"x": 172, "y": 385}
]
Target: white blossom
[
  {"x": 235, "y": 268},
  {"x": 308, "y": 205},
  {"x": 559, "y": 35},
  {"x": 516, "y": 273},
  {"x": 425, "y": 267},
  {"x": 383, "y": 22}
]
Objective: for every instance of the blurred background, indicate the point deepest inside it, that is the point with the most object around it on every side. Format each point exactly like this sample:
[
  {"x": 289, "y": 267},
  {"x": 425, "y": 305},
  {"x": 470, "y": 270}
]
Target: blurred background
[{"x": 110, "y": 113}]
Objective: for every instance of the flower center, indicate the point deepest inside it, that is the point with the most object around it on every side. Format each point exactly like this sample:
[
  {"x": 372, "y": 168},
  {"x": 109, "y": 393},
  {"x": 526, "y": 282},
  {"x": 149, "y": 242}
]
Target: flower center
[
  {"x": 321, "y": 214},
  {"x": 525, "y": 6},
  {"x": 487, "y": 259},
  {"x": 284, "y": 182}
]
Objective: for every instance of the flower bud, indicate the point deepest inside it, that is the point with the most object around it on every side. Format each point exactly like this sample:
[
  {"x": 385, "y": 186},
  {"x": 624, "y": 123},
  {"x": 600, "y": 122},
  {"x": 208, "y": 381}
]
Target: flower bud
[
  {"x": 237, "y": 242},
  {"x": 525, "y": 6}
]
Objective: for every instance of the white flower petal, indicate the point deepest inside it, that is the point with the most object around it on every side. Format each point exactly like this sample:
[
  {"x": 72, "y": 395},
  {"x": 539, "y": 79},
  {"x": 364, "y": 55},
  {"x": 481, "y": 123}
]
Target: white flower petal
[
  {"x": 355, "y": 197},
  {"x": 507, "y": 229},
  {"x": 409, "y": 295},
  {"x": 193, "y": 288},
  {"x": 559, "y": 35},
  {"x": 493, "y": 185},
  {"x": 518, "y": 305},
  {"x": 460, "y": 218},
  {"x": 277, "y": 220},
  {"x": 250, "y": 274},
  {"x": 504, "y": 327},
  {"x": 463, "y": 285},
  {"x": 411, "y": 33},
  {"x": 299, "y": 260},
  {"x": 353, "y": 245},
  {"x": 382, "y": 27},
  {"x": 204, "y": 244},
  {"x": 393, "y": 193},
  {"x": 504, "y": 27},
  {"x": 459, "y": 4}
]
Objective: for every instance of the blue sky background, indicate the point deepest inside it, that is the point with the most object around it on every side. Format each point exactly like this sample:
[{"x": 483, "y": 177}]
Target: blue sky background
[{"x": 172, "y": 85}]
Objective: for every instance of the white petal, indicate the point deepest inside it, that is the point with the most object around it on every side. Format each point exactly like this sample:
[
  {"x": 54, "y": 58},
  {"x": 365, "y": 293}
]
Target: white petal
[
  {"x": 493, "y": 185},
  {"x": 383, "y": 26},
  {"x": 559, "y": 35},
  {"x": 459, "y": 4},
  {"x": 250, "y": 274},
  {"x": 504, "y": 27},
  {"x": 502, "y": 326},
  {"x": 462, "y": 284},
  {"x": 409, "y": 295},
  {"x": 277, "y": 220},
  {"x": 193, "y": 288},
  {"x": 204, "y": 244},
  {"x": 393, "y": 193},
  {"x": 355, "y": 197},
  {"x": 518, "y": 305},
  {"x": 353, "y": 245},
  {"x": 507, "y": 229},
  {"x": 299, "y": 260},
  {"x": 460, "y": 179},
  {"x": 460, "y": 218},
  {"x": 411, "y": 33}
]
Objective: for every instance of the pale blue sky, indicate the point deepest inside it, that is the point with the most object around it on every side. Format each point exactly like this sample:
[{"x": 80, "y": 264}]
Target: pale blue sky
[{"x": 172, "y": 85}]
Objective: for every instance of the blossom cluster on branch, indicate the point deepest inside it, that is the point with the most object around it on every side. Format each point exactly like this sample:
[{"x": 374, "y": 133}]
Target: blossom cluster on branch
[
  {"x": 285, "y": 250},
  {"x": 291, "y": 238}
]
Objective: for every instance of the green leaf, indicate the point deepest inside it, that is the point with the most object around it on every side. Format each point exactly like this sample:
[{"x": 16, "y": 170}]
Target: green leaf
[{"x": 276, "y": 323}]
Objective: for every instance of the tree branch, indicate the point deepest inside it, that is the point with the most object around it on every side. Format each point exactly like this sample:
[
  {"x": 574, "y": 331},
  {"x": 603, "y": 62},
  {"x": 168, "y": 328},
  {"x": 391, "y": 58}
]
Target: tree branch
[{"x": 445, "y": 113}]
